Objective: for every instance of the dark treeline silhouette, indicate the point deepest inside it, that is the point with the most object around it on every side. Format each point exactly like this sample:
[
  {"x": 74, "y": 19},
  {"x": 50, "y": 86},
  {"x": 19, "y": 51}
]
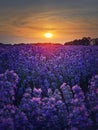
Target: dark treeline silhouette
[{"x": 84, "y": 41}]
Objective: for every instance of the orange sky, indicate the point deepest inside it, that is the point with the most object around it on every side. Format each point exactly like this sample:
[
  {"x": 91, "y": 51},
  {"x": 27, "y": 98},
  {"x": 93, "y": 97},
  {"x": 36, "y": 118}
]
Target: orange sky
[{"x": 28, "y": 21}]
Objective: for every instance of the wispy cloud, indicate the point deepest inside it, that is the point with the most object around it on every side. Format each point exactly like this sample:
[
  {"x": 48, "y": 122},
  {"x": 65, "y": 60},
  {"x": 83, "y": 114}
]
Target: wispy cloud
[{"x": 29, "y": 18}]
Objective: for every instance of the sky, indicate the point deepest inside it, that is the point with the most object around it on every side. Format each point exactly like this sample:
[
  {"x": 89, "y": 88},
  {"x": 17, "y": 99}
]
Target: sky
[{"x": 26, "y": 21}]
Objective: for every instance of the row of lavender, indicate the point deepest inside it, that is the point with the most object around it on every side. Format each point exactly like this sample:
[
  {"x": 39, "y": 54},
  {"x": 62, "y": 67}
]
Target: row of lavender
[
  {"x": 34, "y": 96},
  {"x": 64, "y": 109},
  {"x": 50, "y": 65}
]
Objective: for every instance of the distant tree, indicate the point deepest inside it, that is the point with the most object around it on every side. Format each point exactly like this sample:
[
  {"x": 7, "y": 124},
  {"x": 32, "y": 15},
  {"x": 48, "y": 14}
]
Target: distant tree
[
  {"x": 83, "y": 41},
  {"x": 96, "y": 41}
]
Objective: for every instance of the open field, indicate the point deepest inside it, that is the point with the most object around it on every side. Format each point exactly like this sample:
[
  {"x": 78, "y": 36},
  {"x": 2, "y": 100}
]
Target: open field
[{"x": 48, "y": 87}]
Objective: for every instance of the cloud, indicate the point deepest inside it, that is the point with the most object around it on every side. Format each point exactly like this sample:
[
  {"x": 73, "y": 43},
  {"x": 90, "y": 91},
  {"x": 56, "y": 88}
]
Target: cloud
[{"x": 30, "y": 17}]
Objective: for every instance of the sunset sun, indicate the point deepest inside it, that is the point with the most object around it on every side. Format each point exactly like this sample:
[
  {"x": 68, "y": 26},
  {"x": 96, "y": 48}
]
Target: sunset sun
[{"x": 48, "y": 35}]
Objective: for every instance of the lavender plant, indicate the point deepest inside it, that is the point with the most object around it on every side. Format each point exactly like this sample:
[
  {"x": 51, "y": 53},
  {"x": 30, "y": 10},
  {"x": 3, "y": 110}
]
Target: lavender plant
[{"x": 48, "y": 87}]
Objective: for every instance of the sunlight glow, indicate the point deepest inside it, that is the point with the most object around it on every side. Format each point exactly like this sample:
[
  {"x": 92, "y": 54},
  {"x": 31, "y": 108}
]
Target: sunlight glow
[{"x": 48, "y": 35}]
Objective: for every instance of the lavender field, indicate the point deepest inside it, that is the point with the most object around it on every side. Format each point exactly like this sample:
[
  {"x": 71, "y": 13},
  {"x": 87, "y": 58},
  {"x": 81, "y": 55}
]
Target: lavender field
[{"x": 48, "y": 87}]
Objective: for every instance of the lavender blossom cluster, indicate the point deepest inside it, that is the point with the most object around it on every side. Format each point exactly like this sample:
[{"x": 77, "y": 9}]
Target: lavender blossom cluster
[{"x": 51, "y": 87}]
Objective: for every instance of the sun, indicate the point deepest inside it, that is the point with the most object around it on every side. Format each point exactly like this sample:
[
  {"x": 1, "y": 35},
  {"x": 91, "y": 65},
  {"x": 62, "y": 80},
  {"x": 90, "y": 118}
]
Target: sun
[{"x": 48, "y": 35}]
